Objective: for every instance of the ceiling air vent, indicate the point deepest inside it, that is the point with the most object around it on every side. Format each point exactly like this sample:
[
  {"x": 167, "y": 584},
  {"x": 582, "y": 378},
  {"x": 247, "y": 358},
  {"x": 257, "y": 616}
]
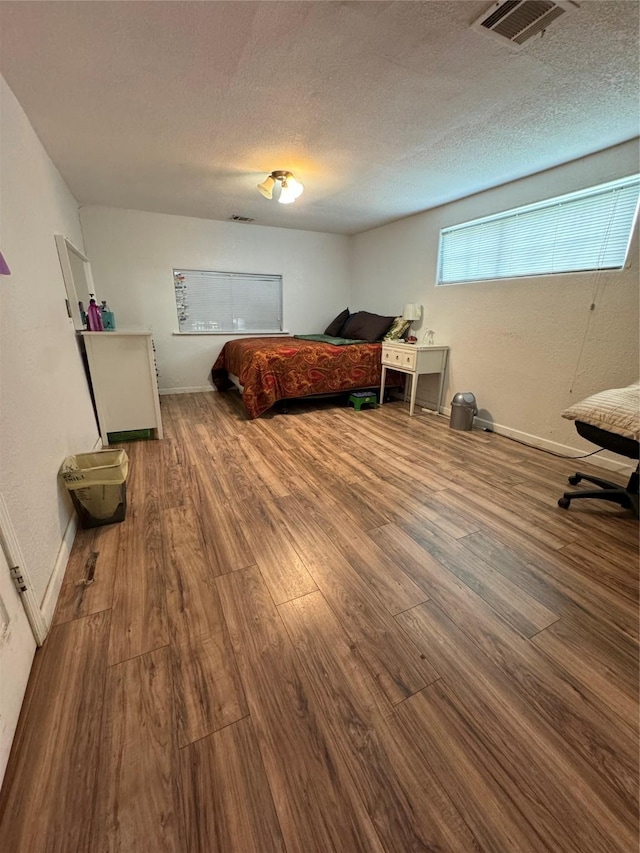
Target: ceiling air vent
[
  {"x": 518, "y": 21},
  {"x": 237, "y": 218}
]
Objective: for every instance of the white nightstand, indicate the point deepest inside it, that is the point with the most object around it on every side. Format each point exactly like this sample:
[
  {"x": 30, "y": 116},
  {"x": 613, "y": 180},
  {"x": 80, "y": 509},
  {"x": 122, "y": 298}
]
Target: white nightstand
[{"x": 414, "y": 359}]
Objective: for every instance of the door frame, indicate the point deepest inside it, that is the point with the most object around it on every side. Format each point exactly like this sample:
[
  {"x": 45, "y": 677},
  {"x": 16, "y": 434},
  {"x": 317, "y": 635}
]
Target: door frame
[{"x": 15, "y": 557}]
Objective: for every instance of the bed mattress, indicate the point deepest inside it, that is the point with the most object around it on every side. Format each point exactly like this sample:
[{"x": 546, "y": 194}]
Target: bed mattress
[{"x": 281, "y": 368}]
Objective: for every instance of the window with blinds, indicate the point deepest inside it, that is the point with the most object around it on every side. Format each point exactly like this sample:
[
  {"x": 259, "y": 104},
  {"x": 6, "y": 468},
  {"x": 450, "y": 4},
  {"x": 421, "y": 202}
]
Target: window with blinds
[
  {"x": 586, "y": 230},
  {"x": 221, "y": 302}
]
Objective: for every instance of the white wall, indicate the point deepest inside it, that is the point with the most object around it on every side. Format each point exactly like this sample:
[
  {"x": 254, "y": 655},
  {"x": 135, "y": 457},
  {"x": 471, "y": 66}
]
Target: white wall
[
  {"x": 133, "y": 255},
  {"x": 527, "y": 347},
  {"x": 45, "y": 411}
]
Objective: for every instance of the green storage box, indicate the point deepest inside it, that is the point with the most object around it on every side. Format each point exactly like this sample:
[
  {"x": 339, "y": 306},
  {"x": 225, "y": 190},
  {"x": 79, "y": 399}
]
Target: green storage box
[{"x": 129, "y": 435}]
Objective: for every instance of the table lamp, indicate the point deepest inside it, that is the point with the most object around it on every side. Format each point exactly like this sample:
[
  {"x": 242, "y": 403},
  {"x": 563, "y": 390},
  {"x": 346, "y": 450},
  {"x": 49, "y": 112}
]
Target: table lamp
[{"x": 411, "y": 312}]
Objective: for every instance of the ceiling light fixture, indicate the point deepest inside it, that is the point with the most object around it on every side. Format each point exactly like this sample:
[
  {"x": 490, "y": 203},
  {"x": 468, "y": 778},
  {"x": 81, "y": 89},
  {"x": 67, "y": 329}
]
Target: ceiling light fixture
[{"x": 290, "y": 188}]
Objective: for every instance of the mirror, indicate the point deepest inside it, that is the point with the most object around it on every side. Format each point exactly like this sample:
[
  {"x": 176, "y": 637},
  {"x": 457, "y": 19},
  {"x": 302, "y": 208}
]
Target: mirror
[{"x": 76, "y": 271}]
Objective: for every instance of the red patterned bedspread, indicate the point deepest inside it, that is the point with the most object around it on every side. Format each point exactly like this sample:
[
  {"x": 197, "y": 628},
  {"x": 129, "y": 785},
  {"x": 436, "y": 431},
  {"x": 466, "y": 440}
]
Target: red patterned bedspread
[{"x": 272, "y": 369}]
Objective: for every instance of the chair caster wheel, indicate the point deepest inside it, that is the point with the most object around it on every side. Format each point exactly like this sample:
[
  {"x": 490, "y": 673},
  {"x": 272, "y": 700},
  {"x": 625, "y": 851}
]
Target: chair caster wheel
[
  {"x": 564, "y": 503},
  {"x": 574, "y": 479}
]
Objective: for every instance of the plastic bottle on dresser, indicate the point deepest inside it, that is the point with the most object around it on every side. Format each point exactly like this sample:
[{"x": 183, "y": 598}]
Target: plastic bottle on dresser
[{"x": 94, "y": 318}]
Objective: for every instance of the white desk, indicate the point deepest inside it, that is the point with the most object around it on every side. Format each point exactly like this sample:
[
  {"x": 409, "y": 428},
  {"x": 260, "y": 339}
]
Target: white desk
[{"x": 414, "y": 360}]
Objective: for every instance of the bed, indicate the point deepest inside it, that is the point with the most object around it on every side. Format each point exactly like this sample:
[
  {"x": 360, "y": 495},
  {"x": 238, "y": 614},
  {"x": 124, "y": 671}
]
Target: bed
[{"x": 269, "y": 369}]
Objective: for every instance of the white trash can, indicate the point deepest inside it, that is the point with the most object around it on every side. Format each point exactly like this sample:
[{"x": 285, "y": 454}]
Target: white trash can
[{"x": 97, "y": 485}]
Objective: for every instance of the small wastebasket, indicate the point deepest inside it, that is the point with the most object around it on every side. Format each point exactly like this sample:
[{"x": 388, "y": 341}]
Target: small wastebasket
[
  {"x": 463, "y": 410},
  {"x": 97, "y": 485}
]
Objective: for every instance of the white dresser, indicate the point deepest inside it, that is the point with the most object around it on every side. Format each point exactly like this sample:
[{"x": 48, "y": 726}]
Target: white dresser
[
  {"x": 414, "y": 360},
  {"x": 123, "y": 376}
]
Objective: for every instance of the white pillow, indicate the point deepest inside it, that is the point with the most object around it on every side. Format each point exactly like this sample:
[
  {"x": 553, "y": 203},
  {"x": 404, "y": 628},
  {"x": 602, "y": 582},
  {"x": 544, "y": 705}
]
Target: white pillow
[{"x": 616, "y": 410}]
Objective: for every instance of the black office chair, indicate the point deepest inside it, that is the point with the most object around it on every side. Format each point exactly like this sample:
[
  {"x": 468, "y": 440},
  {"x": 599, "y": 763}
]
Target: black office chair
[{"x": 626, "y": 496}]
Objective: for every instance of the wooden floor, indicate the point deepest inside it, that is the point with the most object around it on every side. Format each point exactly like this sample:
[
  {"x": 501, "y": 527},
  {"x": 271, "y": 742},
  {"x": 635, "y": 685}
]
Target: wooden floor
[{"x": 336, "y": 631}]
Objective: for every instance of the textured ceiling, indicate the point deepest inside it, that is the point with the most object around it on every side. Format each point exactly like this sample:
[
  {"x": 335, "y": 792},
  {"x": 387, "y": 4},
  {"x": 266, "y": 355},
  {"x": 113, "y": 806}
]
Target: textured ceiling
[{"x": 381, "y": 109}]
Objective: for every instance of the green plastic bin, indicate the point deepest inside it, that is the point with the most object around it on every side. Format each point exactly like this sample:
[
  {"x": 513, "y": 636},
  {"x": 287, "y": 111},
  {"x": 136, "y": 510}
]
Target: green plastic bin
[{"x": 129, "y": 435}]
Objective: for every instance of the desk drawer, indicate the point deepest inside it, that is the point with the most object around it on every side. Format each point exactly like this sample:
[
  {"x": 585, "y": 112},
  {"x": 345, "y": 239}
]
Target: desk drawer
[{"x": 404, "y": 357}]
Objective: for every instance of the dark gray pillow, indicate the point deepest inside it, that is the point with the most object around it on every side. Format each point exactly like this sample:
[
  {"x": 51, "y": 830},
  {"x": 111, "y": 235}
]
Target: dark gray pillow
[
  {"x": 364, "y": 326},
  {"x": 335, "y": 326}
]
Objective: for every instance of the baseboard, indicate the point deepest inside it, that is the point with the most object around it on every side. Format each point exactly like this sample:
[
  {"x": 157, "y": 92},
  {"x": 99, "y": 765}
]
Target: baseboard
[
  {"x": 48, "y": 606},
  {"x": 546, "y": 444},
  {"x": 197, "y": 389}
]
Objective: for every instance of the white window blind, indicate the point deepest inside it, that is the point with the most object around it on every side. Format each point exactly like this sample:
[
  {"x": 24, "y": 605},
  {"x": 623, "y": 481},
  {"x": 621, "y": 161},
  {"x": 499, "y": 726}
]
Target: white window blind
[
  {"x": 586, "y": 230},
  {"x": 210, "y": 301}
]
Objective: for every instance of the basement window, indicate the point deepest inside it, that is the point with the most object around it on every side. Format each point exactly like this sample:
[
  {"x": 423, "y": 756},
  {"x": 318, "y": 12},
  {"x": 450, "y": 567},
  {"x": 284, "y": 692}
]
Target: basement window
[
  {"x": 578, "y": 232},
  {"x": 212, "y": 303}
]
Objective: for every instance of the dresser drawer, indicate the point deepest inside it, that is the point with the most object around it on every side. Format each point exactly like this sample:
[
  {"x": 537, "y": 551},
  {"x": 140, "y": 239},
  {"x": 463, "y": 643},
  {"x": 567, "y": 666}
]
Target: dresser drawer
[{"x": 404, "y": 357}]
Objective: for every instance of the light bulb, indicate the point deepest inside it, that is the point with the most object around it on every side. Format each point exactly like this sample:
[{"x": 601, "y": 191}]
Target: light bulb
[
  {"x": 295, "y": 186},
  {"x": 287, "y": 194}
]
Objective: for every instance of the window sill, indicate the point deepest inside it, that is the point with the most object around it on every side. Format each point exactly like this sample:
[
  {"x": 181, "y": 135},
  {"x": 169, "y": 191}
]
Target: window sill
[{"x": 243, "y": 334}]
